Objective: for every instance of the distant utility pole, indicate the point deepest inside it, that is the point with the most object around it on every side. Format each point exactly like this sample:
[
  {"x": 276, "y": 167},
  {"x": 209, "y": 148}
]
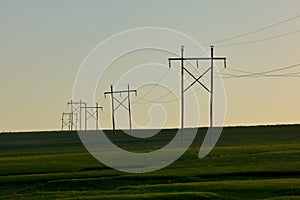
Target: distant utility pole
[
  {"x": 197, "y": 80},
  {"x": 67, "y": 121},
  {"x": 93, "y": 113},
  {"x": 120, "y": 103},
  {"x": 76, "y": 108}
]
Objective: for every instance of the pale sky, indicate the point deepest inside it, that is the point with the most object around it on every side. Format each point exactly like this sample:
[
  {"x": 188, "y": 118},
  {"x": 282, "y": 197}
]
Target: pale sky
[{"x": 43, "y": 44}]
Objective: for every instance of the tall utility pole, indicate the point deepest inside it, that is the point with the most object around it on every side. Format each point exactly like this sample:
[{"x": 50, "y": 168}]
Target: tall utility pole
[
  {"x": 120, "y": 103},
  {"x": 93, "y": 113},
  {"x": 197, "y": 80},
  {"x": 76, "y": 108}
]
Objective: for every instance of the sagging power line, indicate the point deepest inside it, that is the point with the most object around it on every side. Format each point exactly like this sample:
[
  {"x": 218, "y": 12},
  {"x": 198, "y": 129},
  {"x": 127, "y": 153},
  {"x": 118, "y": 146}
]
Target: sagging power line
[
  {"x": 258, "y": 40},
  {"x": 254, "y": 31},
  {"x": 268, "y": 73},
  {"x": 222, "y": 75}
]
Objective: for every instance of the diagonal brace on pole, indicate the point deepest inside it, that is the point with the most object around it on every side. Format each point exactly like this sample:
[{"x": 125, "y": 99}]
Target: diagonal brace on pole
[
  {"x": 196, "y": 80},
  {"x": 120, "y": 103}
]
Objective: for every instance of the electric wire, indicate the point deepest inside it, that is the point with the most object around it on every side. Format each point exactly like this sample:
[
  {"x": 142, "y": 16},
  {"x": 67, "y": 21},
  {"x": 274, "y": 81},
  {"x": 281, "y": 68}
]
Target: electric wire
[
  {"x": 161, "y": 97},
  {"x": 164, "y": 95},
  {"x": 254, "y": 31},
  {"x": 153, "y": 87},
  {"x": 247, "y": 73},
  {"x": 258, "y": 40}
]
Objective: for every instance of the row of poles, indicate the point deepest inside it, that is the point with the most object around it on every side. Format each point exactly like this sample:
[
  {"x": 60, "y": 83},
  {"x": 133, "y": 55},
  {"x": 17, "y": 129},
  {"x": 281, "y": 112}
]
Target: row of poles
[
  {"x": 70, "y": 120},
  {"x": 116, "y": 103}
]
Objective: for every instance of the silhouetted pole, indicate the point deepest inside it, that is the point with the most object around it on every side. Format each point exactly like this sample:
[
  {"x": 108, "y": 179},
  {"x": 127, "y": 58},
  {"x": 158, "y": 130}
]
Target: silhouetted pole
[
  {"x": 85, "y": 117},
  {"x": 112, "y": 108},
  {"x": 182, "y": 94},
  {"x": 62, "y": 122},
  {"x": 129, "y": 110},
  {"x": 80, "y": 109},
  {"x": 120, "y": 103},
  {"x": 97, "y": 117},
  {"x": 211, "y": 91}
]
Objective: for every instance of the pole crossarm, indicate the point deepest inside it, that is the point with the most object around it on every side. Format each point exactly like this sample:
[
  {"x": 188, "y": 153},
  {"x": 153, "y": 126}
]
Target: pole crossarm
[
  {"x": 121, "y": 91},
  {"x": 120, "y": 103},
  {"x": 197, "y": 59}
]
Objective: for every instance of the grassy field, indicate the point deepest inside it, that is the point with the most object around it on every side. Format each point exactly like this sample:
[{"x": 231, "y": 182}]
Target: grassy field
[{"x": 247, "y": 163}]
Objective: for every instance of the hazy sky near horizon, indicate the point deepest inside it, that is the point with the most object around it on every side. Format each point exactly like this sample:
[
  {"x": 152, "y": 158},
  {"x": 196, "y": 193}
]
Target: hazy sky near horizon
[{"x": 43, "y": 44}]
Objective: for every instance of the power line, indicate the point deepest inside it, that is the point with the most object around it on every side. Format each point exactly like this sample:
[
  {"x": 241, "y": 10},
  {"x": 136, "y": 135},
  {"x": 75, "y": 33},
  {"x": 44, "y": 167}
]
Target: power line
[
  {"x": 294, "y": 73},
  {"x": 254, "y": 31},
  {"x": 258, "y": 40},
  {"x": 280, "y": 69},
  {"x": 169, "y": 92},
  {"x": 245, "y": 74},
  {"x": 155, "y": 85},
  {"x": 157, "y": 100},
  {"x": 262, "y": 74},
  {"x": 265, "y": 72},
  {"x": 290, "y": 75},
  {"x": 166, "y": 94}
]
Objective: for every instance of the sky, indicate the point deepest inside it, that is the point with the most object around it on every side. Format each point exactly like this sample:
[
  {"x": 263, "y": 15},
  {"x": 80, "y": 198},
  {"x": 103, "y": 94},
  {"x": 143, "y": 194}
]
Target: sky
[{"x": 44, "y": 43}]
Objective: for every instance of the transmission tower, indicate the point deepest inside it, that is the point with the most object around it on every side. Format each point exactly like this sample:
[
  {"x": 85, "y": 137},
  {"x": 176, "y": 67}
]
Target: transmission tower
[
  {"x": 197, "y": 80},
  {"x": 76, "y": 108},
  {"x": 92, "y": 112},
  {"x": 120, "y": 103}
]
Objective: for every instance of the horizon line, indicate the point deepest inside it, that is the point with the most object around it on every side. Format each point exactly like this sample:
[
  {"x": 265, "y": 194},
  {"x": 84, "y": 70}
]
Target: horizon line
[{"x": 166, "y": 128}]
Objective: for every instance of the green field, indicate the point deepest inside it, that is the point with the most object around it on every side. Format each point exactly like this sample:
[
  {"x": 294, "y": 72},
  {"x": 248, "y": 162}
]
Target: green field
[{"x": 247, "y": 163}]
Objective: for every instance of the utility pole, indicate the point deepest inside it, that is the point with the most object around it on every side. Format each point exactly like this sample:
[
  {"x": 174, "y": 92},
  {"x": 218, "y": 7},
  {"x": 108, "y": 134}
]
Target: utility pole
[
  {"x": 120, "y": 103},
  {"x": 76, "y": 108},
  {"x": 197, "y": 80},
  {"x": 93, "y": 113},
  {"x": 182, "y": 94},
  {"x": 66, "y": 121}
]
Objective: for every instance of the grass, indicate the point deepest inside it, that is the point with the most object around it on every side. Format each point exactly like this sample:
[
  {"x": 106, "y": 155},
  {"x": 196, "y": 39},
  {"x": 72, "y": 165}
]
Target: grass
[{"x": 247, "y": 163}]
